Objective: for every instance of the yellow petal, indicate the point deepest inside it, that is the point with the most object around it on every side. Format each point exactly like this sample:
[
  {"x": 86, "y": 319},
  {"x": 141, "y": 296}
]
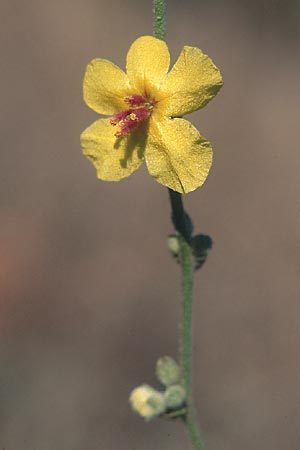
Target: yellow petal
[
  {"x": 104, "y": 87},
  {"x": 114, "y": 158},
  {"x": 193, "y": 81},
  {"x": 176, "y": 155},
  {"x": 148, "y": 61}
]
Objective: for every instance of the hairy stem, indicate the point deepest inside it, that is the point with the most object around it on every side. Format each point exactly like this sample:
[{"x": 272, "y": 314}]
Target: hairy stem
[
  {"x": 182, "y": 226},
  {"x": 179, "y": 218},
  {"x": 159, "y": 25},
  {"x": 187, "y": 279}
]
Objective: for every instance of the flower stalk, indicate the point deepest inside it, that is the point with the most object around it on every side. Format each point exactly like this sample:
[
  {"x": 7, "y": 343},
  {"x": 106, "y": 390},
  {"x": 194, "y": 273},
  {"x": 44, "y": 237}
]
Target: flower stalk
[
  {"x": 183, "y": 226},
  {"x": 179, "y": 217}
]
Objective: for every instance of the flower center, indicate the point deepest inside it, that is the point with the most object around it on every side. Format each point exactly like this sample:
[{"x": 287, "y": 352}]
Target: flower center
[{"x": 130, "y": 119}]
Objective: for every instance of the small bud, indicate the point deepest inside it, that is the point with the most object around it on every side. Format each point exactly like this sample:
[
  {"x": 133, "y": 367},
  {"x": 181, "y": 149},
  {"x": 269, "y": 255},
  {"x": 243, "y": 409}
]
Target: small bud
[
  {"x": 173, "y": 245},
  {"x": 175, "y": 396},
  {"x": 168, "y": 371},
  {"x": 147, "y": 402}
]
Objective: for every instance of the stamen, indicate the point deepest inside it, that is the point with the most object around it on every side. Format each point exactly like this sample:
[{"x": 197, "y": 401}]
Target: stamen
[
  {"x": 135, "y": 100},
  {"x": 119, "y": 116},
  {"x": 130, "y": 119}
]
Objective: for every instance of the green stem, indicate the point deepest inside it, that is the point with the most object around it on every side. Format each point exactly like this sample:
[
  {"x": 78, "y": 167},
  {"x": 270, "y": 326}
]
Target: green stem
[
  {"x": 180, "y": 221},
  {"x": 159, "y": 25},
  {"x": 186, "y": 335},
  {"x": 193, "y": 431},
  {"x": 186, "y": 325}
]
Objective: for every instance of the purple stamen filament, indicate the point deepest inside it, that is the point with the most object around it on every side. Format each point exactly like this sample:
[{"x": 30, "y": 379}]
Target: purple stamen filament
[{"x": 130, "y": 119}]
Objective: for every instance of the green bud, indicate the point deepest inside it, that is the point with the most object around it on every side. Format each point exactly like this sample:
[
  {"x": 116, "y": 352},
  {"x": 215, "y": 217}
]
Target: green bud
[
  {"x": 175, "y": 396},
  {"x": 168, "y": 371},
  {"x": 173, "y": 245},
  {"x": 147, "y": 402}
]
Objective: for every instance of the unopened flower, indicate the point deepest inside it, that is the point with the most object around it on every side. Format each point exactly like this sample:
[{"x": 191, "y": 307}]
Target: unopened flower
[
  {"x": 147, "y": 402},
  {"x": 175, "y": 396},
  {"x": 146, "y": 105},
  {"x": 168, "y": 371}
]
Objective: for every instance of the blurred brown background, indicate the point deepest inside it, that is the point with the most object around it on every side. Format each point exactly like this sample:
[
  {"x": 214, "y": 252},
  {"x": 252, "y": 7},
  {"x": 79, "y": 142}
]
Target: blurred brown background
[{"x": 89, "y": 296}]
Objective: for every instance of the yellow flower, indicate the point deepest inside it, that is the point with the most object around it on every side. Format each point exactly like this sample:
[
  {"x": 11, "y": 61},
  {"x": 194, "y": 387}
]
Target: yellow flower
[{"x": 146, "y": 105}]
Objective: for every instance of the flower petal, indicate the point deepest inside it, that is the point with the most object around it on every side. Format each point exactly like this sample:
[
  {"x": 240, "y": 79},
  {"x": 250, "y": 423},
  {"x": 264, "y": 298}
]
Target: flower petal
[
  {"x": 176, "y": 155},
  {"x": 105, "y": 86},
  {"x": 193, "y": 81},
  {"x": 148, "y": 61},
  {"x": 114, "y": 158}
]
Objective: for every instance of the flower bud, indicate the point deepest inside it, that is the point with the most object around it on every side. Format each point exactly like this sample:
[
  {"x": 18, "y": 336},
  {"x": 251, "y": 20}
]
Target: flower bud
[
  {"x": 175, "y": 396},
  {"x": 173, "y": 245},
  {"x": 147, "y": 402},
  {"x": 168, "y": 371}
]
